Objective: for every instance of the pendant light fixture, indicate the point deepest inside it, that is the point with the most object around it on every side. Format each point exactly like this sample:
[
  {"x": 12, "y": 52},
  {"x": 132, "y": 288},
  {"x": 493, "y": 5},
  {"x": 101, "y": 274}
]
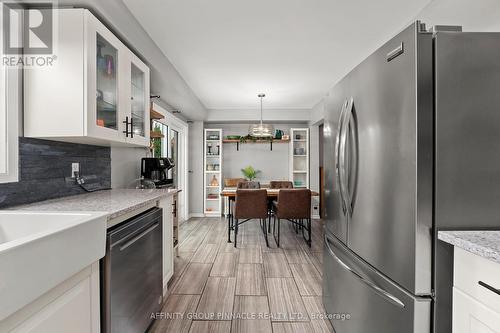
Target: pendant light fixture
[{"x": 261, "y": 130}]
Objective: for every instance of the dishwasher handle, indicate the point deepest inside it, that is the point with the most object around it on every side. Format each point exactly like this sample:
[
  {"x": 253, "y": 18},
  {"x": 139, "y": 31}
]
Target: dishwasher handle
[{"x": 139, "y": 236}]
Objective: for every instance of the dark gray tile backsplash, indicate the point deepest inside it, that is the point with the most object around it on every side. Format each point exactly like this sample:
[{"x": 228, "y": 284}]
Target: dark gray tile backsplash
[{"x": 44, "y": 166}]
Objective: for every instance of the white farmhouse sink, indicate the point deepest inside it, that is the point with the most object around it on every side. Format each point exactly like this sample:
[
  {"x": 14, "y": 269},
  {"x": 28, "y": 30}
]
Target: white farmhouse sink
[{"x": 39, "y": 250}]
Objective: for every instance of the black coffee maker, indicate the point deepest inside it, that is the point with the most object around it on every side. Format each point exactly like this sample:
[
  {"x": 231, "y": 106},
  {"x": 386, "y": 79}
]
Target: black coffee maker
[{"x": 156, "y": 170}]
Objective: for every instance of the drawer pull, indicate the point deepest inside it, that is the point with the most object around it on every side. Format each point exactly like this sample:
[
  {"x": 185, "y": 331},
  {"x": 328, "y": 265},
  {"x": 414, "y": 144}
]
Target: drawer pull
[{"x": 490, "y": 288}]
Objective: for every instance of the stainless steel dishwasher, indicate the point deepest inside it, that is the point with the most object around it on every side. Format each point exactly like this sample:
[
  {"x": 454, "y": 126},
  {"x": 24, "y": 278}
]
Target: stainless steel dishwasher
[{"x": 131, "y": 274}]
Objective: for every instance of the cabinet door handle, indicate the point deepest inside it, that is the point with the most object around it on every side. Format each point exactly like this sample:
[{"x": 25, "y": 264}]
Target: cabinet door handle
[
  {"x": 126, "y": 126},
  {"x": 490, "y": 288},
  {"x": 132, "y": 127}
]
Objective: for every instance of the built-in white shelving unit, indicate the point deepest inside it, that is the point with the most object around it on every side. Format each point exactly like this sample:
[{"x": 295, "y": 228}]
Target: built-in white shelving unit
[
  {"x": 299, "y": 157},
  {"x": 212, "y": 183}
]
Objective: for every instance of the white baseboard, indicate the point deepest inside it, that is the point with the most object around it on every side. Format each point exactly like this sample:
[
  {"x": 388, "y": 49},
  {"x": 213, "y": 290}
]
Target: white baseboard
[
  {"x": 196, "y": 215},
  {"x": 316, "y": 217}
]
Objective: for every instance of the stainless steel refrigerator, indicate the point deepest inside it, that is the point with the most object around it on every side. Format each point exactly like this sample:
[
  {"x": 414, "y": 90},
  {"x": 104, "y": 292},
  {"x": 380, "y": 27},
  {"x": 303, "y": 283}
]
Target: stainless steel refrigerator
[{"x": 411, "y": 146}]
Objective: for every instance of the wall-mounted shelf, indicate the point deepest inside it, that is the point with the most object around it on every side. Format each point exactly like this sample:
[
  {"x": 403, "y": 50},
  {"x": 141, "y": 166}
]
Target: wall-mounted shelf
[
  {"x": 238, "y": 142},
  {"x": 156, "y": 135},
  {"x": 155, "y": 115}
]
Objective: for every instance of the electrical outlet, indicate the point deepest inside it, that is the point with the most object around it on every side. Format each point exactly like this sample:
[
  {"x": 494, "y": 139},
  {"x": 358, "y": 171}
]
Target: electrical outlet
[{"x": 75, "y": 167}]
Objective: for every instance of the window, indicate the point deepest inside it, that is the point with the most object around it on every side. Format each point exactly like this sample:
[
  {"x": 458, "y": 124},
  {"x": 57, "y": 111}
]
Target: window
[{"x": 9, "y": 121}]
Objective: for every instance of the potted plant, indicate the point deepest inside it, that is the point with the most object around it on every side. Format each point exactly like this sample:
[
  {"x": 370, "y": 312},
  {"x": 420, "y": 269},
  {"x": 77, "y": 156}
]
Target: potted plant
[{"x": 250, "y": 173}]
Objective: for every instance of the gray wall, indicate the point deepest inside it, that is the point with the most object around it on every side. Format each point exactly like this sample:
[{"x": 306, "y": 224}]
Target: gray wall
[
  {"x": 195, "y": 159},
  {"x": 126, "y": 165},
  {"x": 314, "y": 165},
  {"x": 44, "y": 166}
]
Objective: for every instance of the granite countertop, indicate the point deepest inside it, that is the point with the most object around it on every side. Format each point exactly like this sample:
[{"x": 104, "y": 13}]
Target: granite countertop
[
  {"x": 114, "y": 202},
  {"x": 483, "y": 243}
]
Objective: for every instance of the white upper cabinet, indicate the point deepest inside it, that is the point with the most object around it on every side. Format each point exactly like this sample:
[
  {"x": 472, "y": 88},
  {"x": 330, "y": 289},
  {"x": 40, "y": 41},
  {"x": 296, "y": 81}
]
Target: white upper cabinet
[{"x": 96, "y": 91}]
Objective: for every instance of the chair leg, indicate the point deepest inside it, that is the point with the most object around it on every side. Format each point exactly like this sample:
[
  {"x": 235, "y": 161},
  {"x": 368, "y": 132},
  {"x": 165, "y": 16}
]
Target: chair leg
[
  {"x": 236, "y": 233},
  {"x": 278, "y": 242},
  {"x": 265, "y": 232},
  {"x": 310, "y": 231},
  {"x": 269, "y": 224},
  {"x": 229, "y": 230}
]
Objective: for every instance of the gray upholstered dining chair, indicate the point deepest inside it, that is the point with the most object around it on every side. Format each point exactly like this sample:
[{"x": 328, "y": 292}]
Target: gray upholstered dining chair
[
  {"x": 293, "y": 205},
  {"x": 248, "y": 185},
  {"x": 250, "y": 204}
]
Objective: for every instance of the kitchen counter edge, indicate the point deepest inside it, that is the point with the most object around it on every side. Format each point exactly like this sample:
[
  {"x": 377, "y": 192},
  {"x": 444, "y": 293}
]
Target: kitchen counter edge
[{"x": 484, "y": 243}]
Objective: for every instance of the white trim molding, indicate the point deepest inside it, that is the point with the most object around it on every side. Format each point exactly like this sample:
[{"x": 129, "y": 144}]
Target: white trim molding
[
  {"x": 10, "y": 110},
  {"x": 182, "y": 128}
]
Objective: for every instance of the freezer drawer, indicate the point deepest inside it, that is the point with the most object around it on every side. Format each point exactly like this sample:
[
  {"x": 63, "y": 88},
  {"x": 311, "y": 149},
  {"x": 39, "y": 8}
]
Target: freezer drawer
[{"x": 352, "y": 287}]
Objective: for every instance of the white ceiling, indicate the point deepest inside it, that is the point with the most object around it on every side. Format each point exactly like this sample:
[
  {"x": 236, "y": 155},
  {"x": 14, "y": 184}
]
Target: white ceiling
[{"x": 293, "y": 50}]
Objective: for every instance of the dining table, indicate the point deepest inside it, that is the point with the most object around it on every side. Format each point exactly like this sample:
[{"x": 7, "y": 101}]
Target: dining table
[{"x": 230, "y": 193}]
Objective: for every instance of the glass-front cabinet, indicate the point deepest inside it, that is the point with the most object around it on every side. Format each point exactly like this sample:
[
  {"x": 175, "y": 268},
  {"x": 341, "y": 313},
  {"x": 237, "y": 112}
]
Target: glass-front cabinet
[
  {"x": 121, "y": 103},
  {"x": 138, "y": 101},
  {"x": 106, "y": 60},
  {"x": 97, "y": 92},
  {"x": 106, "y": 84}
]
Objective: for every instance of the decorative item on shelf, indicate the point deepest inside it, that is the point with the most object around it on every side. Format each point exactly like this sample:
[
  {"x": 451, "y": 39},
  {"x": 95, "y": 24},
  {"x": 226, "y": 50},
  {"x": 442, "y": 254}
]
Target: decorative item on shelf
[
  {"x": 209, "y": 209},
  {"x": 213, "y": 137},
  {"x": 297, "y": 183},
  {"x": 212, "y": 196},
  {"x": 278, "y": 134},
  {"x": 110, "y": 65},
  {"x": 298, "y": 137},
  {"x": 109, "y": 97},
  {"x": 216, "y": 167},
  {"x": 98, "y": 95},
  {"x": 156, "y": 132},
  {"x": 100, "y": 122},
  {"x": 285, "y": 137},
  {"x": 250, "y": 173},
  {"x": 218, "y": 150},
  {"x": 250, "y": 138},
  {"x": 101, "y": 61},
  {"x": 156, "y": 141},
  {"x": 214, "y": 181},
  {"x": 209, "y": 148},
  {"x": 299, "y": 151},
  {"x": 210, "y": 167},
  {"x": 261, "y": 130}
]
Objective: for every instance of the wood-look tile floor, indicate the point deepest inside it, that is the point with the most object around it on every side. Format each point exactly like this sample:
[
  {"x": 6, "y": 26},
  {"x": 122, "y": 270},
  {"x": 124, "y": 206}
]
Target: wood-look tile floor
[{"x": 252, "y": 288}]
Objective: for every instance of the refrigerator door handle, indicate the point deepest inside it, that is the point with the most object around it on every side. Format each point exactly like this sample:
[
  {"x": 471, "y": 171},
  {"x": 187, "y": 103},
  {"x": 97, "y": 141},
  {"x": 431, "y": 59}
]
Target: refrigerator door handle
[
  {"x": 391, "y": 298},
  {"x": 339, "y": 161},
  {"x": 351, "y": 128},
  {"x": 343, "y": 175}
]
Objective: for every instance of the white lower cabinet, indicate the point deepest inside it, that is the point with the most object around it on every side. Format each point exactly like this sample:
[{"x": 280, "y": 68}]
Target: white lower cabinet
[
  {"x": 471, "y": 316},
  {"x": 476, "y": 298},
  {"x": 73, "y": 306},
  {"x": 167, "y": 204}
]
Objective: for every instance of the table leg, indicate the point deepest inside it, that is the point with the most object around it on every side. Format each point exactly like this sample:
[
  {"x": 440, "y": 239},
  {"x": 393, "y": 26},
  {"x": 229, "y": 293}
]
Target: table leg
[{"x": 229, "y": 221}]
